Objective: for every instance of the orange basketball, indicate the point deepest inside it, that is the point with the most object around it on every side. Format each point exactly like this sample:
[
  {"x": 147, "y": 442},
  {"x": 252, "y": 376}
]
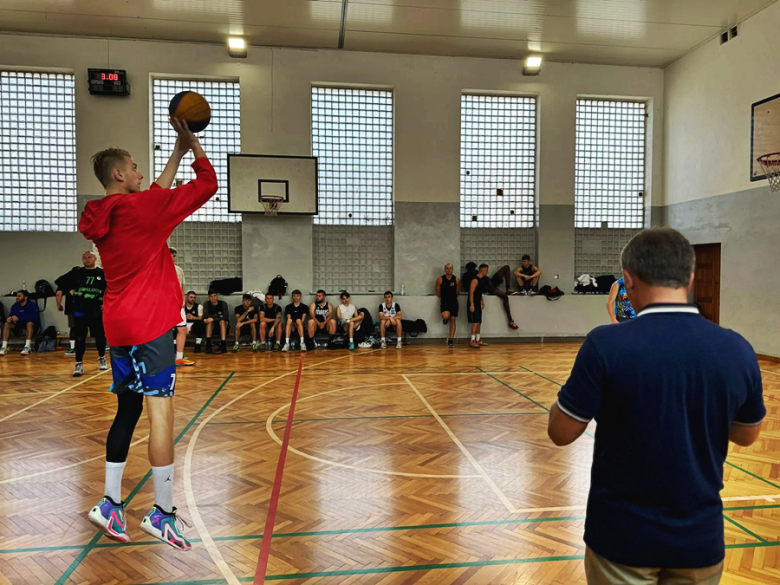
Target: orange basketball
[{"x": 192, "y": 108}]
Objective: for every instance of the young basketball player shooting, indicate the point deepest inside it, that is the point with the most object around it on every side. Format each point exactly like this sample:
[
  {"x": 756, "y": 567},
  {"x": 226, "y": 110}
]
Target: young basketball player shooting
[{"x": 130, "y": 228}]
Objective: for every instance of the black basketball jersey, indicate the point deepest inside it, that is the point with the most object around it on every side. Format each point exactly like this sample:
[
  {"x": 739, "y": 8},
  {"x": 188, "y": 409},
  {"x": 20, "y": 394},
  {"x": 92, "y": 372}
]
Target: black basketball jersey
[
  {"x": 449, "y": 289},
  {"x": 321, "y": 311},
  {"x": 193, "y": 311},
  {"x": 482, "y": 287},
  {"x": 527, "y": 271}
]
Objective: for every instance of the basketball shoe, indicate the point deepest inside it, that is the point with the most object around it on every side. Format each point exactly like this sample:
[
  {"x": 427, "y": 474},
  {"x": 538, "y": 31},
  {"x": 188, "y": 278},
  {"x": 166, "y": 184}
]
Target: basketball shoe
[
  {"x": 163, "y": 527},
  {"x": 110, "y": 520}
]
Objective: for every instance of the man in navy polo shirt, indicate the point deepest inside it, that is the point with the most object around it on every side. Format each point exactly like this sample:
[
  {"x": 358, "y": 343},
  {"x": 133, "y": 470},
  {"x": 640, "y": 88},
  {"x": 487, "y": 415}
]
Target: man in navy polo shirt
[{"x": 668, "y": 390}]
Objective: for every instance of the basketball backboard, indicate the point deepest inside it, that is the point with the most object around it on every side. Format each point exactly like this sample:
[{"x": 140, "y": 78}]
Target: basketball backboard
[
  {"x": 253, "y": 176},
  {"x": 765, "y": 133}
]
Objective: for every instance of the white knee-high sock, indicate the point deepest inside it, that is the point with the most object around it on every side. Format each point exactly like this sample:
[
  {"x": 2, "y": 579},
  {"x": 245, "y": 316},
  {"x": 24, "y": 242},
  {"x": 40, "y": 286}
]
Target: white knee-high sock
[
  {"x": 114, "y": 472},
  {"x": 163, "y": 487}
]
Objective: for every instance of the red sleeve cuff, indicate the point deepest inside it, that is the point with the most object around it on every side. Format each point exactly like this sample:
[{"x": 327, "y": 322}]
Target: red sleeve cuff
[{"x": 154, "y": 186}]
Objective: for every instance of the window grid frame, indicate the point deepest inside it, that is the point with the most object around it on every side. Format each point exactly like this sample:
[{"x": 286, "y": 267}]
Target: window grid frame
[
  {"x": 349, "y": 163},
  {"x": 222, "y": 137},
  {"x": 610, "y": 181},
  {"x": 38, "y": 174},
  {"x": 617, "y": 200},
  {"x": 483, "y": 155}
]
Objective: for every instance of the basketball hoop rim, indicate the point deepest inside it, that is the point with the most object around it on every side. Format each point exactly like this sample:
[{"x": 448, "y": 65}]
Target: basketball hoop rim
[{"x": 764, "y": 159}]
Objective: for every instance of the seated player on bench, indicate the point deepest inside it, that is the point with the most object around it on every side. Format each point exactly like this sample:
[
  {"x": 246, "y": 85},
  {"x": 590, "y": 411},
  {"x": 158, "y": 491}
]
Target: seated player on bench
[
  {"x": 390, "y": 317},
  {"x": 348, "y": 317},
  {"x": 321, "y": 316},
  {"x": 527, "y": 276},
  {"x": 24, "y": 319},
  {"x": 193, "y": 311},
  {"x": 295, "y": 313},
  {"x": 215, "y": 315},
  {"x": 246, "y": 320},
  {"x": 270, "y": 323}
]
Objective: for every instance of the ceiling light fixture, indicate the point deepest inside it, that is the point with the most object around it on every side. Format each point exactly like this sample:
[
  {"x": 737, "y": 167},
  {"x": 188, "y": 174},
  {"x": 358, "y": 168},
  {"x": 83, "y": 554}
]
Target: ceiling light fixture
[
  {"x": 532, "y": 65},
  {"x": 237, "y": 47}
]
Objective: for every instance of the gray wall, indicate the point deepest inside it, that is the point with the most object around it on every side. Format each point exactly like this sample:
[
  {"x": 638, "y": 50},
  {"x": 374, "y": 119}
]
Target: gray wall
[
  {"x": 32, "y": 256},
  {"x": 746, "y": 226}
]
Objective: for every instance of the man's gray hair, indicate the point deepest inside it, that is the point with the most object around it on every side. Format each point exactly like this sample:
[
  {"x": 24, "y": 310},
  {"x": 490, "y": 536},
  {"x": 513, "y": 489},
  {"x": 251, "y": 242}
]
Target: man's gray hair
[{"x": 660, "y": 257}]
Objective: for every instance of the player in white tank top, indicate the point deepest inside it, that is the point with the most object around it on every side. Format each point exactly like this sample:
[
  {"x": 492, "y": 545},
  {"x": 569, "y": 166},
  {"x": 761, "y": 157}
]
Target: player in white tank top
[{"x": 349, "y": 318}]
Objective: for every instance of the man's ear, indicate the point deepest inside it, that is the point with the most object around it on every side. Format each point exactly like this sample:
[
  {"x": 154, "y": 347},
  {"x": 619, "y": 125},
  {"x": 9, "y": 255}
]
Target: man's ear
[
  {"x": 118, "y": 175},
  {"x": 628, "y": 279}
]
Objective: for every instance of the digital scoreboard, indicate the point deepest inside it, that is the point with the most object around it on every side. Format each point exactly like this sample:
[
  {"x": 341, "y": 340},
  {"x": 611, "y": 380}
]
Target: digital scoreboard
[{"x": 108, "y": 82}]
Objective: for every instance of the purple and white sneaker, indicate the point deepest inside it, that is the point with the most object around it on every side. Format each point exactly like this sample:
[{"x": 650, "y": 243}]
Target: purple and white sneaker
[
  {"x": 163, "y": 527},
  {"x": 110, "y": 520}
]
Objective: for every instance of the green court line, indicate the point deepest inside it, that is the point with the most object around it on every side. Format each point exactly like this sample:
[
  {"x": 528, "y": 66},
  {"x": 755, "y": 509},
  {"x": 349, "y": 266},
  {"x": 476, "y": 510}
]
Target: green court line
[
  {"x": 86, "y": 550},
  {"x": 514, "y": 390},
  {"x": 383, "y": 570},
  {"x": 743, "y": 529},
  {"x": 754, "y": 475},
  {"x": 318, "y": 533},
  {"x": 764, "y": 544},
  {"x": 254, "y": 422}
]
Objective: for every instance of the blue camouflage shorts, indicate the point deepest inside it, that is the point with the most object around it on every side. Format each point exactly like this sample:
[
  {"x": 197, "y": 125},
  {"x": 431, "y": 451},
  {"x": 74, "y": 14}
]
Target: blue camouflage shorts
[{"x": 148, "y": 369}]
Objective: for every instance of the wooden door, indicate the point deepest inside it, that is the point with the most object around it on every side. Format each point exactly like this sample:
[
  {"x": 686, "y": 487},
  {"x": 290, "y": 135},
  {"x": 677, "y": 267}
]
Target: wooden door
[{"x": 706, "y": 283}]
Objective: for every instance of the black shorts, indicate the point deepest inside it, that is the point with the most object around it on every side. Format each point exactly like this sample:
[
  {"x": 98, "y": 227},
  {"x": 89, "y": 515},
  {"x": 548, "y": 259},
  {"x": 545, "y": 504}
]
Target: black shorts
[
  {"x": 476, "y": 316},
  {"x": 148, "y": 369},
  {"x": 451, "y": 307},
  {"x": 496, "y": 280}
]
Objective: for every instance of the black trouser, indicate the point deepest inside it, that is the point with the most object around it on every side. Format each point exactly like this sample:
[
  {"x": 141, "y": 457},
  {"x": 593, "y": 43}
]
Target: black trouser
[{"x": 92, "y": 322}]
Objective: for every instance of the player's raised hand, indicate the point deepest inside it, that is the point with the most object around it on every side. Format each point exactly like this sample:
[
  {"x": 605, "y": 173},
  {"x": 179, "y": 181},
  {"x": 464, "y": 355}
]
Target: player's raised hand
[{"x": 186, "y": 140}]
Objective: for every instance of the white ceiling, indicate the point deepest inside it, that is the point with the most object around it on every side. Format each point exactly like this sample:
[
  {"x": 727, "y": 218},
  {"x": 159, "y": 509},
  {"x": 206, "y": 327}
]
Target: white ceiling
[{"x": 625, "y": 32}]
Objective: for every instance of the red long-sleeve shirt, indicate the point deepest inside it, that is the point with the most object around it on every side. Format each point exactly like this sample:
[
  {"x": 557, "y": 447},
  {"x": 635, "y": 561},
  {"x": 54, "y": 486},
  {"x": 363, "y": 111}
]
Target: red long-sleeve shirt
[{"x": 131, "y": 231}]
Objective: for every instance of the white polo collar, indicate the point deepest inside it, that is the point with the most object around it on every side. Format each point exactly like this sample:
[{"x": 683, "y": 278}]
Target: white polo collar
[{"x": 668, "y": 308}]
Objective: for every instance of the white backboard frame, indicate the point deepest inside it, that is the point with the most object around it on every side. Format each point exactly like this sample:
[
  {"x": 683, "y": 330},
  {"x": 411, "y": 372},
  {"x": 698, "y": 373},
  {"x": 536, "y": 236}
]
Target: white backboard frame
[{"x": 251, "y": 176}]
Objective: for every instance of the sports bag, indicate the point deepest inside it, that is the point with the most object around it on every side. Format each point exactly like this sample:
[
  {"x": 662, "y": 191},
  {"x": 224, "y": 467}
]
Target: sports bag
[
  {"x": 278, "y": 286},
  {"x": 43, "y": 290}
]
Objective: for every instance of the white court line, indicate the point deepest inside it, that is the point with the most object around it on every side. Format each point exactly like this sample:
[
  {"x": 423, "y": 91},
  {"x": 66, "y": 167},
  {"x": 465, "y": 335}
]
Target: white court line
[
  {"x": 64, "y": 467},
  {"x": 197, "y": 520},
  {"x": 769, "y": 498},
  {"x": 768, "y": 372},
  {"x": 269, "y": 429},
  {"x": 463, "y": 449},
  {"x": 13, "y": 414}
]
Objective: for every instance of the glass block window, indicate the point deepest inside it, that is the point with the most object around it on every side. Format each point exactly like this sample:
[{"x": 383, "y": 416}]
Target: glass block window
[
  {"x": 220, "y": 138},
  {"x": 207, "y": 250},
  {"x": 497, "y": 180},
  {"x": 352, "y": 136},
  {"x": 609, "y": 182},
  {"x": 610, "y": 164},
  {"x": 497, "y": 162},
  {"x": 37, "y": 152}
]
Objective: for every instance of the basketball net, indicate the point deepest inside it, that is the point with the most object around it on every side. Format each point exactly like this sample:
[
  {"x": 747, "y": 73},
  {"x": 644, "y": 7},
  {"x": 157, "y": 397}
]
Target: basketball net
[
  {"x": 771, "y": 165},
  {"x": 271, "y": 205}
]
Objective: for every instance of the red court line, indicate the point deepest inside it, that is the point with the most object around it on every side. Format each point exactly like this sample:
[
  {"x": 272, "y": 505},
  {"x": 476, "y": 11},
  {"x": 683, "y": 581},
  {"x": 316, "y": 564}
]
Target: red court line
[{"x": 270, "y": 519}]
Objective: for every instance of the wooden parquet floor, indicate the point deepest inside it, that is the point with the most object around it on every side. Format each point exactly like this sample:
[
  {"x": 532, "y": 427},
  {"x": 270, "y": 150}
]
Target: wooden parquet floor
[{"x": 423, "y": 466}]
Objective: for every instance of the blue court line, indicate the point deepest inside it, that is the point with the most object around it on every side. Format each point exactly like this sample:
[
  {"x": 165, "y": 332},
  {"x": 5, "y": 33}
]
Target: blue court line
[{"x": 91, "y": 544}]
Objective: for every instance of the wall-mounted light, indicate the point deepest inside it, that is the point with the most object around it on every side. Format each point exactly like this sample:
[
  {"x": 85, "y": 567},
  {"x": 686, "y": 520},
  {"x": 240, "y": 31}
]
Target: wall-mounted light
[
  {"x": 237, "y": 47},
  {"x": 532, "y": 66}
]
